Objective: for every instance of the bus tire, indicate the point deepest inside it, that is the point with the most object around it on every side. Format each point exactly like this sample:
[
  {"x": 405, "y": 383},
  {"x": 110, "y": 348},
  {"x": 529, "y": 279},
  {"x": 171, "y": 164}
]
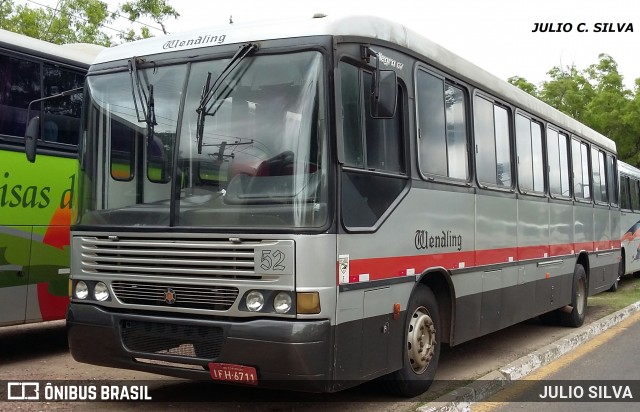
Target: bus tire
[
  {"x": 421, "y": 349},
  {"x": 575, "y": 317}
]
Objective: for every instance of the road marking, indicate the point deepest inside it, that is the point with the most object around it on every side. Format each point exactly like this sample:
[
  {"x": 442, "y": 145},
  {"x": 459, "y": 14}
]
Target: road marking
[{"x": 511, "y": 392}]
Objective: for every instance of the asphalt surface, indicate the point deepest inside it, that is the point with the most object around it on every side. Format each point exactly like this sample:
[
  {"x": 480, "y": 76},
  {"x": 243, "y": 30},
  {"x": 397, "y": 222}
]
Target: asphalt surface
[{"x": 462, "y": 399}]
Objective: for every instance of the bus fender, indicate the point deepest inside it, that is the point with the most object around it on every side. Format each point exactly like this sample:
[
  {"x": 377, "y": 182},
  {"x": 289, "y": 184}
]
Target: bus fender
[{"x": 438, "y": 279}]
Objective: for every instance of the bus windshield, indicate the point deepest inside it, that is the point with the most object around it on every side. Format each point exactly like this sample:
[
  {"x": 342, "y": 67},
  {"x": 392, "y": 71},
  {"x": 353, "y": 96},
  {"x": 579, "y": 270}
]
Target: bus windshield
[{"x": 251, "y": 152}]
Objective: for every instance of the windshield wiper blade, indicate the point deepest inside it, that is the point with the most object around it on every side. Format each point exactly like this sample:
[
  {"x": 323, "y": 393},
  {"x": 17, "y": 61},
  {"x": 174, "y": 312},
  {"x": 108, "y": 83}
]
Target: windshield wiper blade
[
  {"x": 139, "y": 95},
  {"x": 201, "y": 114},
  {"x": 209, "y": 90}
]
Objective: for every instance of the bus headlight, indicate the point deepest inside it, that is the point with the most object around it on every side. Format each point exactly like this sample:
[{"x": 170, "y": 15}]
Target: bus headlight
[
  {"x": 255, "y": 301},
  {"x": 82, "y": 290},
  {"x": 282, "y": 302},
  {"x": 100, "y": 291}
]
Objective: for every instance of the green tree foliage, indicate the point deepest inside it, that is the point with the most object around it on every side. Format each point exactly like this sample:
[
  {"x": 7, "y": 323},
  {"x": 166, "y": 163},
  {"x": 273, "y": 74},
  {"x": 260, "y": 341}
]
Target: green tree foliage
[
  {"x": 597, "y": 97},
  {"x": 522, "y": 83},
  {"x": 157, "y": 10},
  {"x": 87, "y": 21}
]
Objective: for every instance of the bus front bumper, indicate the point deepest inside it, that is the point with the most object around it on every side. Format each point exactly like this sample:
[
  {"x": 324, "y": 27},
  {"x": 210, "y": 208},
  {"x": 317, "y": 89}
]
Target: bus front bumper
[{"x": 285, "y": 353}]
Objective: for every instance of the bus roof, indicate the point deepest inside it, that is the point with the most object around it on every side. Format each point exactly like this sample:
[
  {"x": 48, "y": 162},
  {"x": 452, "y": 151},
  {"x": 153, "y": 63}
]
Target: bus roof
[
  {"x": 81, "y": 54},
  {"x": 627, "y": 169},
  {"x": 361, "y": 26}
]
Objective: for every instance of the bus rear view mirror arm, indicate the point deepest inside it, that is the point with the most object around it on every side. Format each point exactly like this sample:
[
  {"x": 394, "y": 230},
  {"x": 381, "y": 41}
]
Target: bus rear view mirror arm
[{"x": 32, "y": 134}]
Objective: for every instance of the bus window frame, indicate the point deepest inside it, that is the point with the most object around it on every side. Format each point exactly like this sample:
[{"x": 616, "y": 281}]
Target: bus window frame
[
  {"x": 600, "y": 151},
  {"x": 470, "y": 161},
  {"x": 565, "y": 133},
  {"x": 581, "y": 141},
  {"x": 474, "y": 148},
  {"x": 543, "y": 141}
]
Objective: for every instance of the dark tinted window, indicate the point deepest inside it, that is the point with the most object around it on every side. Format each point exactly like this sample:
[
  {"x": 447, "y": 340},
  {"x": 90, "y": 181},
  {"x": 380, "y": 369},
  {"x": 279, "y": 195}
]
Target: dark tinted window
[
  {"x": 625, "y": 201},
  {"x": 19, "y": 85},
  {"x": 612, "y": 180},
  {"x": 61, "y": 114}
]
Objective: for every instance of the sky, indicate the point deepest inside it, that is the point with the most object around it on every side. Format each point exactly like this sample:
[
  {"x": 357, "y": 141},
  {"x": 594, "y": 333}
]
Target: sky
[{"x": 494, "y": 34}]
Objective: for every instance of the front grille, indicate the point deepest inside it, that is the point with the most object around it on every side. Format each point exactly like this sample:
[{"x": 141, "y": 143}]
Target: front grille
[
  {"x": 183, "y": 296},
  {"x": 171, "y": 339},
  {"x": 213, "y": 259}
]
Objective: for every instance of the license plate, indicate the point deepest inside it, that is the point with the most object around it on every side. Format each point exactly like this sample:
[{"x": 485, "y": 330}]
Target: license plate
[{"x": 233, "y": 373}]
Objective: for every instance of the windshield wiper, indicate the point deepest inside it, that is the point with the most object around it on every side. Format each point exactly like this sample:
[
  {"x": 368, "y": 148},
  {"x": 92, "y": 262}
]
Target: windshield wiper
[
  {"x": 147, "y": 103},
  {"x": 209, "y": 90}
]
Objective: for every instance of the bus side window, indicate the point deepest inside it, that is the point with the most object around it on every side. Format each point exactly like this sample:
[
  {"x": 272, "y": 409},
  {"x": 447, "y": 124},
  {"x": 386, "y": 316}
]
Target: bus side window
[
  {"x": 442, "y": 128},
  {"x": 19, "y": 85},
  {"x": 530, "y": 155},
  {"x": 625, "y": 201},
  {"x": 62, "y": 114},
  {"x": 635, "y": 194},
  {"x": 557, "y": 155},
  {"x": 493, "y": 145},
  {"x": 581, "y": 187},
  {"x": 612, "y": 179}
]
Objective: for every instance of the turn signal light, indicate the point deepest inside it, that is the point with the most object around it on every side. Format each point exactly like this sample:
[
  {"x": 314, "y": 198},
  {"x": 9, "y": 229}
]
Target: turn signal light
[{"x": 308, "y": 303}]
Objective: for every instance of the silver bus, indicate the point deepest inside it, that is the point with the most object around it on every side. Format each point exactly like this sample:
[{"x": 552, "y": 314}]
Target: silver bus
[
  {"x": 629, "y": 220},
  {"x": 318, "y": 203}
]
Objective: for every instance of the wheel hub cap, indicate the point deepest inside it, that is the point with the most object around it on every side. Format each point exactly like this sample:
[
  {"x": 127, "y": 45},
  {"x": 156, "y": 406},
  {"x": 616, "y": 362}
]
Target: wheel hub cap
[{"x": 421, "y": 340}]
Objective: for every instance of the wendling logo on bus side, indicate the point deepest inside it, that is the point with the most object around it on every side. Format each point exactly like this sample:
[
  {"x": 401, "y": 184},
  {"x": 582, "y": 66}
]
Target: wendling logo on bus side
[{"x": 448, "y": 239}]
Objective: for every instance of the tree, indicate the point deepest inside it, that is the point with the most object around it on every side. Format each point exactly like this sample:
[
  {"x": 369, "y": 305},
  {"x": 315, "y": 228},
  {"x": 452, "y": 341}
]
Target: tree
[
  {"x": 568, "y": 91},
  {"x": 610, "y": 111},
  {"x": 595, "y": 96},
  {"x": 522, "y": 83},
  {"x": 157, "y": 10},
  {"x": 87, "y": 21}
]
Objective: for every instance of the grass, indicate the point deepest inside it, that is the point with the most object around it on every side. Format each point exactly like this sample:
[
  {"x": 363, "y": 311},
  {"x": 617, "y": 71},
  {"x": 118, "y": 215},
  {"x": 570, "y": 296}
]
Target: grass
[{"x": 628, "y": 292}]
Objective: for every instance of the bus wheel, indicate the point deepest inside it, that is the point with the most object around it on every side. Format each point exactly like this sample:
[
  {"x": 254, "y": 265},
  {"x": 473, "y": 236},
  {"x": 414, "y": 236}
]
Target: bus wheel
[
  {"x": 421, "y": 349},
  {"x": 575, "y": 317}
]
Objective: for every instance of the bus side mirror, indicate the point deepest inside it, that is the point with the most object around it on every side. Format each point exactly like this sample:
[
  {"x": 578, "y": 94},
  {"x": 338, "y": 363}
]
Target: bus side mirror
[
  {"x": 31, "y": 139},
  {"x": 383, "y": 103}
]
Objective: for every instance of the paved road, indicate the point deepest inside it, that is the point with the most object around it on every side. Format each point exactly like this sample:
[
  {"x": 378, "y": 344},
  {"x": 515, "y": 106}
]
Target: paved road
[{"x": 601, "y": 375}]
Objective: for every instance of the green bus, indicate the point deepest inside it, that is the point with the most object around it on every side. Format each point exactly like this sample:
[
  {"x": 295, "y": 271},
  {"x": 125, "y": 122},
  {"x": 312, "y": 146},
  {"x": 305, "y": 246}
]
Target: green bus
[{"x": 36, "y": 199}]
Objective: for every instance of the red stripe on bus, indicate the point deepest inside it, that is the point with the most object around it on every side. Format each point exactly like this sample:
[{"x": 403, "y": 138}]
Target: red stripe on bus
[
  {"x": 602, "y": 245},
  {"x": 586, "y": 246},
  {"x": 397, "y": 266},
  {"x": 560, "y": 250},
  {"x": 533, "y": 252}
]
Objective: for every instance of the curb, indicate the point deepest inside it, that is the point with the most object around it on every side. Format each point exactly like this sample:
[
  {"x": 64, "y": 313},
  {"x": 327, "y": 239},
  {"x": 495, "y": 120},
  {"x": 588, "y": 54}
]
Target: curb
[{"x": 460, "y": 399}]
